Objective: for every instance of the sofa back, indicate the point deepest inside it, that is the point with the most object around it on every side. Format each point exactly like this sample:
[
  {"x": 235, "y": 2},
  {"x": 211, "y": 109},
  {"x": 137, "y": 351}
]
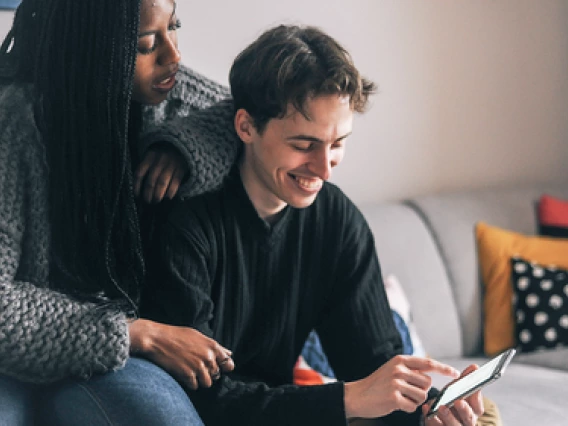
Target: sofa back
[
  {"x": 429, "y": 244},
  {"x": 407, "y": 250}
]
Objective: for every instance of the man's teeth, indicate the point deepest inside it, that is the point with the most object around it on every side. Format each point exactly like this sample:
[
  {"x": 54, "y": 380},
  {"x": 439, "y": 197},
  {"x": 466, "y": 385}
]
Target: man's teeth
[
  {"x": 309, "y": 183},
  {"x": 167, "y": 80}
]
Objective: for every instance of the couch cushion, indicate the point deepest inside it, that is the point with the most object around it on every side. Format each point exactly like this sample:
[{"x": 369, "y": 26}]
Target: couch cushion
[
  {"x": 526, "y": 395},
  {"x": 496, "y": 247},
  {"x": 541, "y": 307},
  {"x": 552, "y": 358},
  {"x": 451, "y": 217},
  {"x": 406, "y": 249},
  {"x": 553, "y": 216},
  {"x": 403, "y": 317}
]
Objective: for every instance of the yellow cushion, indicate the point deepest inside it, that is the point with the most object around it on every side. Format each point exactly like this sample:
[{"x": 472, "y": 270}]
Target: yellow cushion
[{"x": 495, "y": 248}]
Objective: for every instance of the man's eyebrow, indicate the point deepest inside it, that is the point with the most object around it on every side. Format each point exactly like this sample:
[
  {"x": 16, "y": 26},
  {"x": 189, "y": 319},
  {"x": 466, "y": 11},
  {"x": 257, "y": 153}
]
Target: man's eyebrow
[
  {"x": 146, "y": 33},
  {"x": 309, "y": 138}
]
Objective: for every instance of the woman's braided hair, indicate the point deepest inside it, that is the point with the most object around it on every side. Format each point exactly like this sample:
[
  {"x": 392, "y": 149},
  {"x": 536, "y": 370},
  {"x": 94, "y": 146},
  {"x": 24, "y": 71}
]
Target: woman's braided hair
[{"x": 80, "y": 57}]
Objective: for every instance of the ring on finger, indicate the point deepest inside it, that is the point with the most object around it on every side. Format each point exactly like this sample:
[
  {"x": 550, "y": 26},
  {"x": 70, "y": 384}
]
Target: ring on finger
[
  {"x": 225, "y": 360},
  {"x": 216, "y": 375}
]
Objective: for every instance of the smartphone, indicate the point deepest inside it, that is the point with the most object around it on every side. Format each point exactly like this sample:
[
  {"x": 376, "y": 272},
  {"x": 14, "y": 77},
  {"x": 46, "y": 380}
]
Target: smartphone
[{"x": 465, "y": 386}]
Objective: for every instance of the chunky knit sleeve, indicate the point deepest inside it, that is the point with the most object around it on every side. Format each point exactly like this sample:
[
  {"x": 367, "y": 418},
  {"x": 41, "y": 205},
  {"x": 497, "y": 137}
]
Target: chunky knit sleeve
[
  {"x": 44, "y": 335},
  {"x": 191, "y": 92},
  {"x": 197, "y": 118}
]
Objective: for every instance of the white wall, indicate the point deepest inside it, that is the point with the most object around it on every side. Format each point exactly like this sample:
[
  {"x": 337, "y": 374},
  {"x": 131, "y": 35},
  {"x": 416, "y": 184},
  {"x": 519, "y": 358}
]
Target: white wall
[
  {"x": 472, "y": 93},
  {"x": 5, "y": 22}
]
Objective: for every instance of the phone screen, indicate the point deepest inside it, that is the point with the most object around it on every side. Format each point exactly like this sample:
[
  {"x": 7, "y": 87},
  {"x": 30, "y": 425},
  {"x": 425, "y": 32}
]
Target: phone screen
[{"x": 478, "y": 378}]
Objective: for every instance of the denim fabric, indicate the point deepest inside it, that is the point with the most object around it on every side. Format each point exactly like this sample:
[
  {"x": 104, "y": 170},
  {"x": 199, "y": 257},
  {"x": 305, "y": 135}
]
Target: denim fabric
[
  {"x": 315, "y": 357},
  {"x": 16, "y": 402},
  {"x": 402, "y": 327},
  {"x": 139, "y": 394}
]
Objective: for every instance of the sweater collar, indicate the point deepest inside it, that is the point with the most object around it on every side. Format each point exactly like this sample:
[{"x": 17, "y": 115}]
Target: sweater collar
[{"x": 246, "y": 212}]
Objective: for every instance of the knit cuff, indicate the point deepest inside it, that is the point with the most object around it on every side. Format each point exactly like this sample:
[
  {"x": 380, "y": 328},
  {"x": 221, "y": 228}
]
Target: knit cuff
[{"x": 207, "y": 141}]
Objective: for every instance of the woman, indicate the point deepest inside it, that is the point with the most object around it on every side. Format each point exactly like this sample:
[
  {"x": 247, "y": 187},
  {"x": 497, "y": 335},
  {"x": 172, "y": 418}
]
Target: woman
[{"x": 74, "y": 76}]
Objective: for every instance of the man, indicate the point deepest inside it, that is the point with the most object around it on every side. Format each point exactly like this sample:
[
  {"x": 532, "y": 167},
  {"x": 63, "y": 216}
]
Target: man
[{"x": 279, "y": 251}]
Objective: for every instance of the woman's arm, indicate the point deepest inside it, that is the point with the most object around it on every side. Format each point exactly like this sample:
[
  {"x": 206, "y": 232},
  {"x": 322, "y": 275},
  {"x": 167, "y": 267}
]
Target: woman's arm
[
  {"x": 192, "y": 92},
  {"x": 203, "y": 359},
  {"x": 44, "y": 335},
  {"x": 207, "y": 141},
  {"x": 196, "y": 119}
]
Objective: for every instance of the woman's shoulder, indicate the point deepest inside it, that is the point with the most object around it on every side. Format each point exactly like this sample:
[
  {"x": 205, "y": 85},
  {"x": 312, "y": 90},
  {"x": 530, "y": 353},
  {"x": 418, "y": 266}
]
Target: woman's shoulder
[
  {"x": 15, "y": 95},
  {"x": 192, "y": 83},
  {"x": 192, "y": 91},
  {"x": 16, "y": 104},
  {"x": 17, "y": 117}
]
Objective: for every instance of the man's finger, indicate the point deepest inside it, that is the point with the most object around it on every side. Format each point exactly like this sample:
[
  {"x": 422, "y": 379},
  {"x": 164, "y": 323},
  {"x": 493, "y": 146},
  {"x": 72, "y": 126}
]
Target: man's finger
[{"x": 430, "y": 365}]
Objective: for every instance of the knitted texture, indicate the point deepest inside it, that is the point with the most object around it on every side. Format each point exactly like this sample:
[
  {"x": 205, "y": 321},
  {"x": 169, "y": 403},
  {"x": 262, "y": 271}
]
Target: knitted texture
[
  {"x": 46, "y": 335},
  {"x": 192, "y": 92},
  {"x": 199, "y": 126}
]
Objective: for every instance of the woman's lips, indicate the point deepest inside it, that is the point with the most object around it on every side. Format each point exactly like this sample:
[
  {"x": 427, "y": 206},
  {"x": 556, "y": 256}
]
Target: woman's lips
[{"x": 165, "y": 85}]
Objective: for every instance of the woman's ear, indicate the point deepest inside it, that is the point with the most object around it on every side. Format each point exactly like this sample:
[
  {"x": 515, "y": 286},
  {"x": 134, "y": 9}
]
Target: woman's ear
[{"x": 244, "y": 125}]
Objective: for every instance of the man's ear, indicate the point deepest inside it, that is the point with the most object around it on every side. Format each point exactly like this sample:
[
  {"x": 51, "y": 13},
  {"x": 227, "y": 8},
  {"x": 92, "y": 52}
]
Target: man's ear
[{"x": 244, "y": 125}]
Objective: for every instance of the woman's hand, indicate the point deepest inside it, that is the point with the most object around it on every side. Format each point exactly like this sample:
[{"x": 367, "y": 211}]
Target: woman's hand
[
  {"x": 463, "y": 412},
  {"x": 159, "y": 174},
  {"x": 189, "y": 356}
]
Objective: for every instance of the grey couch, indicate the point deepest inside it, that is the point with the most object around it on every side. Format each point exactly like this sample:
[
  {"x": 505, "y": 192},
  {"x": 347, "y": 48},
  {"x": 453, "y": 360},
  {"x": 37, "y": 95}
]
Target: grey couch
[{"x": 428, "y": 243}]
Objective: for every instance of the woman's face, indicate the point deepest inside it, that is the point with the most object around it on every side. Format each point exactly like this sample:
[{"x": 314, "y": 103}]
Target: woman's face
[{"x": 158, "y": 57}]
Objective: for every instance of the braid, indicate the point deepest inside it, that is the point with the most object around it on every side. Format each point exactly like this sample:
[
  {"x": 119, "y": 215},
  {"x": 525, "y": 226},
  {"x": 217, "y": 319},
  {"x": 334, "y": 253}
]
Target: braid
[
  {"x": 125, "y": 186},
  {"x": 82, "y": 67}
]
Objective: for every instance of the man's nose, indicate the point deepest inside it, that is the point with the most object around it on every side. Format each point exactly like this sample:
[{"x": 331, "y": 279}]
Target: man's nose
[{"x": 322, "y": 163}]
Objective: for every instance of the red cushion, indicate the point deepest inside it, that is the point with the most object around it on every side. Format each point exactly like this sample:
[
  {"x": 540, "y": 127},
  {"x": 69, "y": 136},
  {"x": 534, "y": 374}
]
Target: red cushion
[{"x": 553, "y": 216}]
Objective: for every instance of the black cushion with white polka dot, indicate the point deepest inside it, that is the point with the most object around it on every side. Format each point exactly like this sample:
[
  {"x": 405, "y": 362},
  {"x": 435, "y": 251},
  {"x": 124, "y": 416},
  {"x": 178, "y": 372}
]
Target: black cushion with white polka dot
[{"x": 541, "y": 305}]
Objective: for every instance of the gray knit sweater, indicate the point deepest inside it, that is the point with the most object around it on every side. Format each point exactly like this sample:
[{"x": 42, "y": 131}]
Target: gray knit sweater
[{"x": 45, "y": 335}]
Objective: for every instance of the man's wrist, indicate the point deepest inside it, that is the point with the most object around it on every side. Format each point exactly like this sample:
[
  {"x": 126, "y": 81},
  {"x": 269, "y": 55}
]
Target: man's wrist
[{"x": 349, "y": 400}]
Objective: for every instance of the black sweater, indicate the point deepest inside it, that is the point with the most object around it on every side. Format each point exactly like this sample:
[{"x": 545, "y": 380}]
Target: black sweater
[{"x": 259, "y": 290}]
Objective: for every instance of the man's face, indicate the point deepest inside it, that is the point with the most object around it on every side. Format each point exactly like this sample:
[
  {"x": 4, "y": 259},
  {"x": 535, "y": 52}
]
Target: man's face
[
  {"x": 289, "y": 161},
  {"x": 158, "y": 57}
]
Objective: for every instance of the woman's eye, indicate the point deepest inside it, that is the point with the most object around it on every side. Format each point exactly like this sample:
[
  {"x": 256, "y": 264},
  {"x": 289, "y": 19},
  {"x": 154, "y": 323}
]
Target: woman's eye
[
  {"x": 146, "y": 47},
  {"x": 145, "y": 50},
  {"x": 175, "y": 26}
]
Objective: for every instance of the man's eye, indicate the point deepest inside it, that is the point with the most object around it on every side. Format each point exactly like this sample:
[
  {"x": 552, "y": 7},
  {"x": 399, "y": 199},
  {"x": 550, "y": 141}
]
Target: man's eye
[{"x": 305, "y": 147}]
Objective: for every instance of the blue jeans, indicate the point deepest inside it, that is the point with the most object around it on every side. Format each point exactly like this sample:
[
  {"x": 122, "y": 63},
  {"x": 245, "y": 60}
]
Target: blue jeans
[
  {"x": 139, "y": 394},
  {"x": 16, "y": 402}
]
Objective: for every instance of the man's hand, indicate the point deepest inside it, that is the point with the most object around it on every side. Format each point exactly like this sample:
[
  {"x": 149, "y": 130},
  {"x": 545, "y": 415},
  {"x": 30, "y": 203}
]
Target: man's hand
[
  {"x": 463, "y": 412},
  {"x": 189, "y": 356},
  {"x": 159, "y": 174},
  {"x": 400, "y": 384}
]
